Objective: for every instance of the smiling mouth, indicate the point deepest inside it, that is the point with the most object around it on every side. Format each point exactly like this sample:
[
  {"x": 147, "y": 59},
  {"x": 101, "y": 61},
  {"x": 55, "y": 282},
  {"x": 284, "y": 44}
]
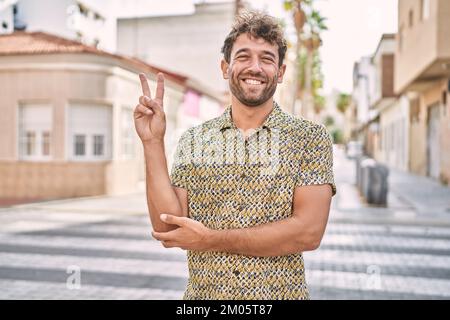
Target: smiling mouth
[{"x": 254, "y": 82}]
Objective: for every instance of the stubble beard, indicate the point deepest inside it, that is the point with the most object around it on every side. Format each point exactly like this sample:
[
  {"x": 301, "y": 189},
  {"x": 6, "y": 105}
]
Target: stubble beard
[{"x": 249, "y": 99}]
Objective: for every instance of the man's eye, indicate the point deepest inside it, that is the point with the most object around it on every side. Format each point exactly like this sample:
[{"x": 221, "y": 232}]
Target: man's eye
[
  {"x": 270, "y": 59},
  {"x": 242, "y": 57}
]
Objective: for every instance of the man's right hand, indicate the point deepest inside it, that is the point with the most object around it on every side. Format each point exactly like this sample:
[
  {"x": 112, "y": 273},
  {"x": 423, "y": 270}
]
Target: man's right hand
[{"x": 149, "y": 116}]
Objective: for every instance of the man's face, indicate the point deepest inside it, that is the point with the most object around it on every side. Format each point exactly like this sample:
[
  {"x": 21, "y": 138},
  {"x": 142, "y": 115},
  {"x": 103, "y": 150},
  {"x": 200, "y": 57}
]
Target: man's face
[{"x": 253, "y": 70}]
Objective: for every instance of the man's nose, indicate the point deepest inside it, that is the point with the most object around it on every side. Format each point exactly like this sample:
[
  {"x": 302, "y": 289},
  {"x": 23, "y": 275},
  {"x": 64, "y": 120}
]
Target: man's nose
[{"x": 255, "y": 66}]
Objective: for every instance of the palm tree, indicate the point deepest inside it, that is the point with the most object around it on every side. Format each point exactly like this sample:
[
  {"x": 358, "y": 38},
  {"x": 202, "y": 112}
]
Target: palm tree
[
  {"x": 299, "y": 18},
  {"x": 309, "y": 76},
  {"x": 343, "y": 101},
  {"x": 316, "y": 24},
  {"x": 238, "y": 7}
]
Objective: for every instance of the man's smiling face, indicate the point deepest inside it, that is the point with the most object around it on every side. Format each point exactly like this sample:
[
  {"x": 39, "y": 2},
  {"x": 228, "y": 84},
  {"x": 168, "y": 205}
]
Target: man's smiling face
[{"x": 253, "y": 71}]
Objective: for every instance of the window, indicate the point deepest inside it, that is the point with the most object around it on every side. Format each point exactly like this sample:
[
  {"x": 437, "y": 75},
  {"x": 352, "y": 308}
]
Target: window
[
  {"x": 30, "y": 143},
  {"x": 35, "y": 122},
  {"x": 98, "y": 145},
  {"x": 80, "y": 145},
  {"x": 128, "y": 135},
  {"x": 46, "y": 143},
  {"x": 411, "y": 18},
  {"x": 89, "y": 133},
  {"x": 425, "y": 9},
  {"x": 444, "y": 102}
]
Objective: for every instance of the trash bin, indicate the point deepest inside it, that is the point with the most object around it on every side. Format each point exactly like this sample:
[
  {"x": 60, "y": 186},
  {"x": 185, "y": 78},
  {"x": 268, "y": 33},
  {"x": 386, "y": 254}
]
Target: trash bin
[
  {"x": 378, "y": 190},
  {"x": 373, "y": 181},
  {"x": 366, "y": 166}
]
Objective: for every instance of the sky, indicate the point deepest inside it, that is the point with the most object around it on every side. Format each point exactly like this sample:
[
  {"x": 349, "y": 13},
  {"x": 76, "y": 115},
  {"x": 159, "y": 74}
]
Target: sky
[{"x": 354, "y": 30}]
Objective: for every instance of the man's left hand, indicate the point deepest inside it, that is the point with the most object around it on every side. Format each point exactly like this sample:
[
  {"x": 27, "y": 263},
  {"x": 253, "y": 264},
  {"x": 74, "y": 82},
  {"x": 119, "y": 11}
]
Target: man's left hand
[{"x": 191, "y": 234}]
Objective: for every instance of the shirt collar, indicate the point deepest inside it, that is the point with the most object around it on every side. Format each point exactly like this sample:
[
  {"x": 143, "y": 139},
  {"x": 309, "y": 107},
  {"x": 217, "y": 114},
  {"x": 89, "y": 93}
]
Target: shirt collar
[{"x": 274, "y": 120}]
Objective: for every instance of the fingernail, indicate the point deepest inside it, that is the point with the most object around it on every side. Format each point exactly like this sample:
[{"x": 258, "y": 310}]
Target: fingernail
[
  {"x": 163, "y": 216},
  {"x": 148, "y": 111}
]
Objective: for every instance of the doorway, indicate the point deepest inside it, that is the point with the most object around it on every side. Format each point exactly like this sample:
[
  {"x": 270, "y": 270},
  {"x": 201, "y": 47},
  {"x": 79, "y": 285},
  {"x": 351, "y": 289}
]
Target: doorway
[{"x": 433, "y": 141}]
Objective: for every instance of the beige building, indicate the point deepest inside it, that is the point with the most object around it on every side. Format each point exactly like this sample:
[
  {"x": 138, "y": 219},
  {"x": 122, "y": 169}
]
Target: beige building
[
  {"x": 66, "y": 125},
  {"x": 364, "y": 79},
  {"x": 422, "y": 73},
  {"x": 199, "y": 35},
  {"x": 390, "y": 143}
]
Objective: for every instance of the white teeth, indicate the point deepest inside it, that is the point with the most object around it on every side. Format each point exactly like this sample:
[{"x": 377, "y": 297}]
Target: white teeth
[{"x": 251, "y": 81}]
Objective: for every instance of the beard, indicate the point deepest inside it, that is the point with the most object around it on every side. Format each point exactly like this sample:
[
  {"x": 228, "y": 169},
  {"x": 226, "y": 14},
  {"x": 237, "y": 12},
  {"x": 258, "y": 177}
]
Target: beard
[{"x": 249, "y": 96}]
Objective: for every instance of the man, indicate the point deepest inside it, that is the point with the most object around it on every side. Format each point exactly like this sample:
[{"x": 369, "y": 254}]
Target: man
[{"x": 249, "y": 190}]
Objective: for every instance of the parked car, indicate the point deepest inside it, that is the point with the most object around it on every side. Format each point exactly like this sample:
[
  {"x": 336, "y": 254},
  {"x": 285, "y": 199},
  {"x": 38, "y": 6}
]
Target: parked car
[{"x": 354, "y": 149}]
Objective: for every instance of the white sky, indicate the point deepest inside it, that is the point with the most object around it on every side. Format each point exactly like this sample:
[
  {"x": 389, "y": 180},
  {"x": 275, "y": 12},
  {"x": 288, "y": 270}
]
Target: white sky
[{"x": 354, "y": 30}]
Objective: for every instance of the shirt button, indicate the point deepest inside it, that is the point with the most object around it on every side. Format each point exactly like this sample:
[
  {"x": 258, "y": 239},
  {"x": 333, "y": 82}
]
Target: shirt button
[{"x": 236, "y": 272}]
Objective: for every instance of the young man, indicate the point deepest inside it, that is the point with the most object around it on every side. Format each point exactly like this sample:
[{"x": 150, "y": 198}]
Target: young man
[{"x": 249, "y": 190}]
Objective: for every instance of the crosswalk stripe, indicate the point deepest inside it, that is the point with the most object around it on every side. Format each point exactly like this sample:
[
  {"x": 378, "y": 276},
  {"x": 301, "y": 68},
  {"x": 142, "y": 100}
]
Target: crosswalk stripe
[
  {"x": 125, "y": 266},
  {"x": 388, "y": 283},
  {"x": 20, "y": 289}
]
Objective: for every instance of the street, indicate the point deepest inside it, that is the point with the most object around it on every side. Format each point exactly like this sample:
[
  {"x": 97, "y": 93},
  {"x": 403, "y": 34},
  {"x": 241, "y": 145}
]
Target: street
[{"x": 101, "y": 247}]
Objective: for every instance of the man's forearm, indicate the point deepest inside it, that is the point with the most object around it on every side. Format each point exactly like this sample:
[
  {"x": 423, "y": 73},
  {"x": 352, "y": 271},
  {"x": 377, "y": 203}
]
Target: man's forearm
[
  {"x": 279, "y": 238},
  {"x": 161, "y": 197}
]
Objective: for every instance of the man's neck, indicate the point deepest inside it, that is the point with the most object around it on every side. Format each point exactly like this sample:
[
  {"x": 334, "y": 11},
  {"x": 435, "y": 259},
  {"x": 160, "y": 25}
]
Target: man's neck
[{"x": 250, "y": 117}]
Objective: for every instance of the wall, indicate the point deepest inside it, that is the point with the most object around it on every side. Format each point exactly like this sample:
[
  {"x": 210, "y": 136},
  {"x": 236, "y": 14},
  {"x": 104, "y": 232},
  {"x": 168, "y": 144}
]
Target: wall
[
  {"x": 412, "y": 59},
  {"x": 50, "y": 180},
  {"x": 418, "y": 133},
  {"x": 159, "y": 40},
  {"x": 443, "y": 29},
  {"x": 46, "y": 15},
  {"x": 6, "y": 20},
  {"x": 394, "y": 129}
]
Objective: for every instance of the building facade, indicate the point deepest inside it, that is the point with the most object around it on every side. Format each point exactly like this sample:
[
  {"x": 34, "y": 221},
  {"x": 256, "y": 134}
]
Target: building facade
[
  {"x": 422, "y": 73},
  {"x": 364, "y": 75},
  {"x": 7, "y": 8},
  {"x": 391, "y": 141},
  {"x": 67, "y": 127},
  {"x": 80, "y": 20}
]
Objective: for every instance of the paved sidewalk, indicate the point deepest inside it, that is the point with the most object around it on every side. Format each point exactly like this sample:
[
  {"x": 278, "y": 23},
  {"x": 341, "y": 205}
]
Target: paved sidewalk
[
  {"x": 423, "y": 194},
  {"x": 412, "y": 199}
]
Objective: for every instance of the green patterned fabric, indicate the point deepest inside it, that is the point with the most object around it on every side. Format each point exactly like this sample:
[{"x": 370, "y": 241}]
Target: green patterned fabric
[{"x": 233, "y": 183}]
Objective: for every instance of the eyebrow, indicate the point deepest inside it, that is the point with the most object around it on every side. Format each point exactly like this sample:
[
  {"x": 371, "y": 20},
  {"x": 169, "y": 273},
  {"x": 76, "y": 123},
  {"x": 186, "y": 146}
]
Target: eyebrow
[{"x": 270, "y": 53}]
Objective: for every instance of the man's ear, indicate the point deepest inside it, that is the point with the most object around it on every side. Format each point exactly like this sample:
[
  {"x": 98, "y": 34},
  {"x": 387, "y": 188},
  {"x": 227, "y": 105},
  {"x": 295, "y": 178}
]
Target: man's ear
[
  {"x": 224, "y": 66},
  {"x": 281, "y": 72}
]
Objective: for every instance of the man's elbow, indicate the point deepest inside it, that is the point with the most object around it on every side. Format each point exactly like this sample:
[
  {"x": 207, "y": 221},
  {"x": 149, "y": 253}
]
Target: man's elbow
[
  {"x": 313, "y": 245},
  {"x": 164, "y": 228},
  {"x": 309, "y": 242}
]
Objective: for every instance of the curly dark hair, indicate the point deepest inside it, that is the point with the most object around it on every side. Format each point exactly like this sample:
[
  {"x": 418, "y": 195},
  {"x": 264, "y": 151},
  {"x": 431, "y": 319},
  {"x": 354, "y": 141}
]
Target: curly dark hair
[{"x": 258, "y": 25}]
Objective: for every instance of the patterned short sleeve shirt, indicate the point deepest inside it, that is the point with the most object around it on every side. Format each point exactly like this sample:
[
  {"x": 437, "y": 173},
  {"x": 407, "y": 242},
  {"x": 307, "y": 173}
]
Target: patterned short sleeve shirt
[{"x": 235, "y": 182}]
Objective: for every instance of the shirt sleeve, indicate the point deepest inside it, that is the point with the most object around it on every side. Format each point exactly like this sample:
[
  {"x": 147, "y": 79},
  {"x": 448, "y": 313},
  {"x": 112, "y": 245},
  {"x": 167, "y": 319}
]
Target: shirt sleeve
[
  {"x": 181, "y": 168},
  {"x": 316, "y": 164}
]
